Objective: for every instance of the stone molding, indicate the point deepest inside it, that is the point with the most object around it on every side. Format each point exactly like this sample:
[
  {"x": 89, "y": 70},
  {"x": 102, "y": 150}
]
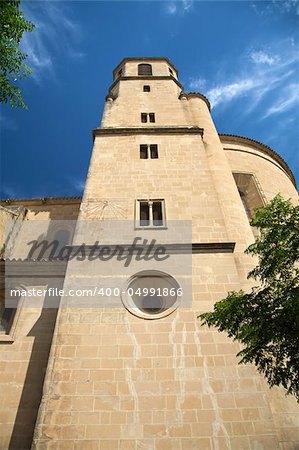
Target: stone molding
[
  {"x": 187, "y": 96},
  {"x": 197, "y": 247},
  {"x": 147, "y": 130},
  {"x": 40, "y": 201}
]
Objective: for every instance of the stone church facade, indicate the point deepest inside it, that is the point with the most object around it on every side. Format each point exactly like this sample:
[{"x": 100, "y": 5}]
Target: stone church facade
[{"x": 141, "y": 373}]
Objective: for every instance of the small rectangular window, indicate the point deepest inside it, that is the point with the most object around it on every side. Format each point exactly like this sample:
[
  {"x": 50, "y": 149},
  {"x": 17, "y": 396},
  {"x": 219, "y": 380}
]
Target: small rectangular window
[
  {"x": 146, "y": 88},
  {"x": 7, "y": 314},
  {"x": 143, "y": 117},
  {"x": 150, "y": 213},
  {"x": 152, "y": 117},
  {"x": 170, "y": 71},
  {"x": 144, "y": 214},
  {"x": 143, "y": 151},
  {"x": 6, "y": 318},
  {"x": 157, "y": 214},
  {"x": 154, "y": 151}
]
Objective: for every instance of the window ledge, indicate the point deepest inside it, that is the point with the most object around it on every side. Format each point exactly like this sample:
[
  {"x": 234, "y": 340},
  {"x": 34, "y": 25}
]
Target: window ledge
[
  {"x": 6, "y": 338},
  {"x": 151, "y": 228}
]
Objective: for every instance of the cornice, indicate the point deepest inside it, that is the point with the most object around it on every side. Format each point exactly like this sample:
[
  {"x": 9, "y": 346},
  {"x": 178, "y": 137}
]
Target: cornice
[
  {"x": 56, "y": 265},
  {"x": 194, "y": 247},
  {"x": 146, "y": 130},
  {"x": 195, "y": 95},
  {"x": 40, "y": 201},
  {"x": 263, "y": 148},
  {"x": 24, "y": 268}
]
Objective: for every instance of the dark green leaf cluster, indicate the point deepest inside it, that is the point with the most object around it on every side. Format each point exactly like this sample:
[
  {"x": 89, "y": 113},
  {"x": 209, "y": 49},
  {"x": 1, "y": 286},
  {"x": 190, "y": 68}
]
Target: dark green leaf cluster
[
  {"x": 266, "y": 320},
  {"x": 12, "y": 66}
]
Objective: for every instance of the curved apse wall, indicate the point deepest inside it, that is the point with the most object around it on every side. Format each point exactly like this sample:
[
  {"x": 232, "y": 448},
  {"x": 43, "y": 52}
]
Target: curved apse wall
[{"x": 270, "y": 172}]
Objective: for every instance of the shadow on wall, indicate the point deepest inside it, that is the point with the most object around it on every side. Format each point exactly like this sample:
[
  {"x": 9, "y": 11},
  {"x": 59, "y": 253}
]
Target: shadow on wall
[{"x": 42, "y": 331}]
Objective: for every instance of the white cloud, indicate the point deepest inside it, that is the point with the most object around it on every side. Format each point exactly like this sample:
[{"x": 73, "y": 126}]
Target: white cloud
[
  {"x": 79, "y": 185},
  {"x": 179, "y": 7},
  {"x": 271, "y": 7},
  {"x": 267, "y": 84},
  {"x": 197, "y": 83},
  {"x": 288, "y": 5},
  {"x": 288, "y": 99},
  {"x": 227, "y": 92},
  {"x": 187, "y": 5},
  {"x": 171, "y": 8},
  {"x": 260, "y": 73},
  {"x": 264, "y": 58},
  {"x": 55, "y": 34}
]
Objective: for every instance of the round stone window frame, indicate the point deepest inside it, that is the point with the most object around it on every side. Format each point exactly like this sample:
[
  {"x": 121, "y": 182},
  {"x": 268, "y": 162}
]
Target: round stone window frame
[{"x": 131, "y": 306}]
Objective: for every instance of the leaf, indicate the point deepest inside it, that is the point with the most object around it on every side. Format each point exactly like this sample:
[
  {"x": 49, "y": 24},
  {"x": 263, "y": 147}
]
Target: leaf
[{"x": 12, "y": 66}]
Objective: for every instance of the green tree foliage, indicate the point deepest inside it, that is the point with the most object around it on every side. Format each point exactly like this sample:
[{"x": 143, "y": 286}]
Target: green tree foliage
[
  {"x": 12, "y": 67},
  {"x": 266, "y": 320}
]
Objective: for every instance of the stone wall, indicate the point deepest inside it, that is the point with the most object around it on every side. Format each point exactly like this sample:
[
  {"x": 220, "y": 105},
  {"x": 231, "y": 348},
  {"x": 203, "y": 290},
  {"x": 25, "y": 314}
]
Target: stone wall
[{"x": 24, "y": 348}]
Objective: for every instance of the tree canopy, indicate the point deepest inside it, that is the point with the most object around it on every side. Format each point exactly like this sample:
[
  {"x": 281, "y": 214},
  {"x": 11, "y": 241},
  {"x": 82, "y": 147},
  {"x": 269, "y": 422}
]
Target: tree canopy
[
  {"x": 12, "y": 66},
  {"x": 266, "y": 320}
]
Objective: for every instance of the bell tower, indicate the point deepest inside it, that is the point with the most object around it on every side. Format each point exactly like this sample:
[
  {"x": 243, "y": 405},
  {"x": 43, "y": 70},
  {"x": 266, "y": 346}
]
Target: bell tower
[{"x": 138, "y": 371}]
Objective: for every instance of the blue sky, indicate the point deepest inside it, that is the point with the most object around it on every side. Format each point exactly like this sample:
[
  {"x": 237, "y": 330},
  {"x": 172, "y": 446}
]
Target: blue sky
[{"x": 242, "y": 55}]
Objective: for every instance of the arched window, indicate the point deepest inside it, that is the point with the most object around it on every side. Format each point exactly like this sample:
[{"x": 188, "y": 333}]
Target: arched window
[{"x": 144, "y": 69}]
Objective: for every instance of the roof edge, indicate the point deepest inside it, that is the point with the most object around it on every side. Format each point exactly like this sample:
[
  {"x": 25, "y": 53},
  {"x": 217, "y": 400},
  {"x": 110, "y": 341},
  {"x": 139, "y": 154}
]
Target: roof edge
[
  {"x": 262, "y": 147},
  {"x": 41, "y": 200}
]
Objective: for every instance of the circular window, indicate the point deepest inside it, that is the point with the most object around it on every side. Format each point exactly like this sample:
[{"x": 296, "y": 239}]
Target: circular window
[{"x": 151, "y": 294}]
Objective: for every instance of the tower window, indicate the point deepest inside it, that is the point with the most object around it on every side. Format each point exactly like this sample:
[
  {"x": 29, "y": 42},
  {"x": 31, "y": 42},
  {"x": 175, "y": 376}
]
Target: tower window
[
  {"x": 147, "y": 151},
  {"x": 144, "y": 117},
  {"x": 157, "y": 214},
  {"x": 146, "y": 88},
  {"x": 144, "y": 214},
  {"x": 170, "y": 71},
  {"x": 120, "y": 72},
  {"x": 143, "y": 151},
  {"x": 154, "y": 151},
  {"x": 150, "y": 213},
  {"x": 144, "y": 69}
]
